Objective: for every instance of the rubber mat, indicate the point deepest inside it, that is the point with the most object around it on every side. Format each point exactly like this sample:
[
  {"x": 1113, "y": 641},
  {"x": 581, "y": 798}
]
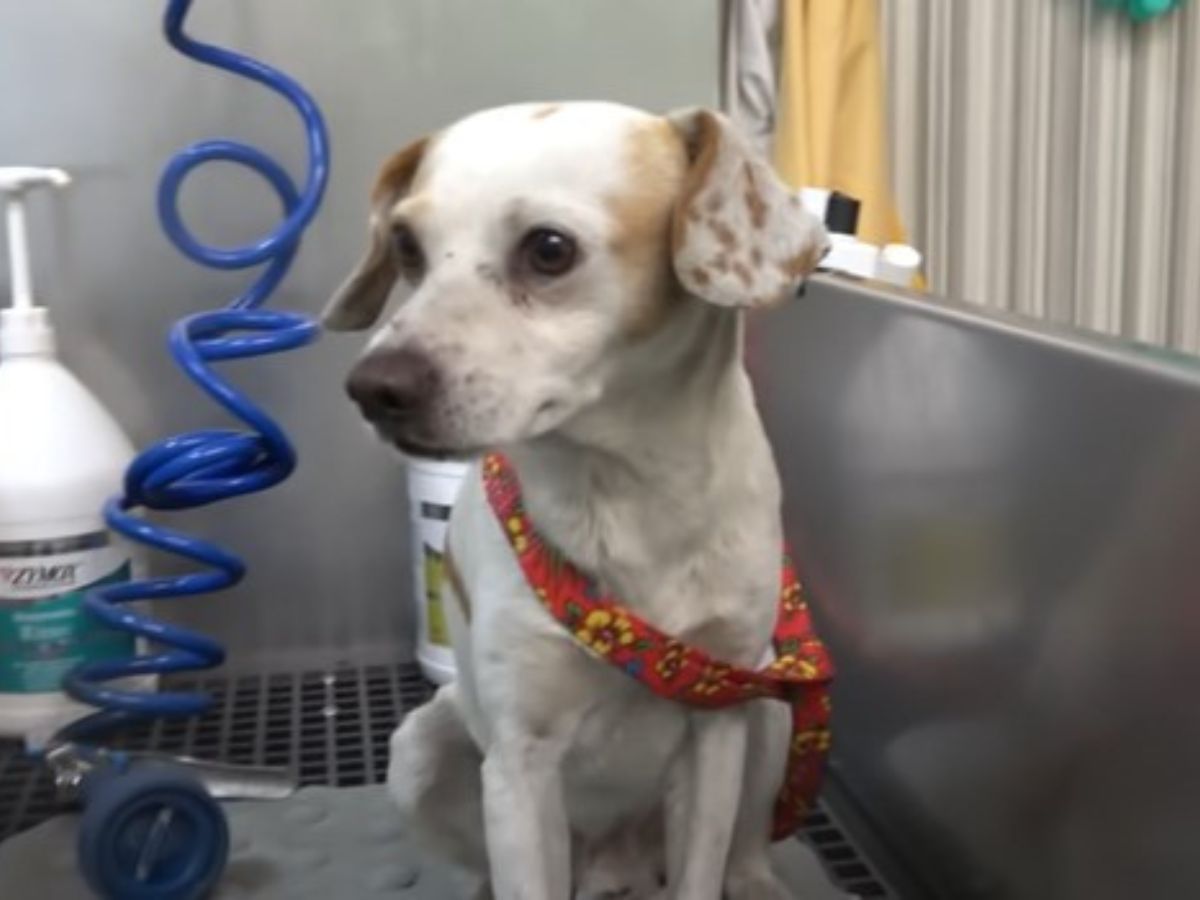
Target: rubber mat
[{"x": 320, "y": 844}]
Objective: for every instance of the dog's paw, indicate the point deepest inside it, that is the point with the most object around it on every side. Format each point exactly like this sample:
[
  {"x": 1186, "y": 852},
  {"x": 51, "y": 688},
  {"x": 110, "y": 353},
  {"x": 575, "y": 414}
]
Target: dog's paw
[
  {"x": 762, "y": 885},
  {"x": 634, "y": 891},
  {"x": 617, "y": 872},
  {"x": 625, "y": 892}
]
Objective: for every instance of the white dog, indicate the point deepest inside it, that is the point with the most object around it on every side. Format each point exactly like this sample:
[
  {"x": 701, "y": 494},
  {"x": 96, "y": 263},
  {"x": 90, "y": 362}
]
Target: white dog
[{"x": 573, "y": 276}]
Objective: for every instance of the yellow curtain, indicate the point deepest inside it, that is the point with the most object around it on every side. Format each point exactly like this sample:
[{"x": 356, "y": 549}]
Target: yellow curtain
[{"x": 830, "y": 126}]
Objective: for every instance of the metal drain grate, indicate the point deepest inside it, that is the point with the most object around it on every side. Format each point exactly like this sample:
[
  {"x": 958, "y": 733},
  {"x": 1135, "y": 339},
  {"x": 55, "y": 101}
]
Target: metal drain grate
[
  {"x": 844, "y": 863},
  {"x": 329, "y": 728}
]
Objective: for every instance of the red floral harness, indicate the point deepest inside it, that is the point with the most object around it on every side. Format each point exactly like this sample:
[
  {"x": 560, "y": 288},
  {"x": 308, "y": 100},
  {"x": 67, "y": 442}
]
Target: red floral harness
[{"x": 800, "y": 675}]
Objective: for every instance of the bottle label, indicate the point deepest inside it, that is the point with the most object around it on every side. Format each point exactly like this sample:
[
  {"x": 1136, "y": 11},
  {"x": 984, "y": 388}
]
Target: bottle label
[
  {"x": 44, "y": 630},
  {"x": 430, "y": 540},
  {"x": 435, "y": 616}
]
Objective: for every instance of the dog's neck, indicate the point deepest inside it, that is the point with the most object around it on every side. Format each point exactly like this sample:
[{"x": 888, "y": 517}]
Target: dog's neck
[{"x": 633, "y": 485}]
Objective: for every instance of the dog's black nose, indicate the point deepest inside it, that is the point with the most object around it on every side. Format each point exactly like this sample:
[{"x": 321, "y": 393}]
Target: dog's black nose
[{"x": 391, "y": 384}]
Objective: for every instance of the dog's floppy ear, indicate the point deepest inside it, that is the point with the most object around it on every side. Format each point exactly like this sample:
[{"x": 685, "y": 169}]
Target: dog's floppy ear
[
  {"x": 362, "y": 296},
  {"x": 739, "y": 236}
]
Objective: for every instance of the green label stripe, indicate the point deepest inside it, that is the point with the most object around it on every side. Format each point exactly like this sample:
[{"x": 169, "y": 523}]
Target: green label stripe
[{"x": 42, "y": 640}]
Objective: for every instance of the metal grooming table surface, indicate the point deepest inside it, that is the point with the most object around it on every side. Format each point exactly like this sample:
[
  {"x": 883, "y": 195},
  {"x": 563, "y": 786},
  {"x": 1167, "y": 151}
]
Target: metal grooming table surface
[{"x": 332, "y": 729}]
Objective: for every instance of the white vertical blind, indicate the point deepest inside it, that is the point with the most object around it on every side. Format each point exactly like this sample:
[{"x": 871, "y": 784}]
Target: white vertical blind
[{"x": 1046, "y": 156}]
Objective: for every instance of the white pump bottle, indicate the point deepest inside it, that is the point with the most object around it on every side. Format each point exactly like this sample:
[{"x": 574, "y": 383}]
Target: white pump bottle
[{"x": 61, "y": 456}]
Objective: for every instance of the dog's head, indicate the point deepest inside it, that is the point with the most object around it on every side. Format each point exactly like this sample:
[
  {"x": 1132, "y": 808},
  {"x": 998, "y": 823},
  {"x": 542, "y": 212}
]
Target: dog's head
[{"x": 536, "y": 247}]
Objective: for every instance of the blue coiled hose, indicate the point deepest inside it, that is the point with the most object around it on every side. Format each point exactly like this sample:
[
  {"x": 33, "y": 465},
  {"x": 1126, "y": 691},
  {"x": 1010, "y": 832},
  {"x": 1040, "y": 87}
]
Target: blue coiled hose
[{"x": 206, "y": 466}]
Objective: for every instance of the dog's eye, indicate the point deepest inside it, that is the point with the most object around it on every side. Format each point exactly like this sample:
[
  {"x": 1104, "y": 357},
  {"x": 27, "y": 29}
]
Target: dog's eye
[
  {"x": 548, "y": 252},
  {"x": 408, "y": 250}
]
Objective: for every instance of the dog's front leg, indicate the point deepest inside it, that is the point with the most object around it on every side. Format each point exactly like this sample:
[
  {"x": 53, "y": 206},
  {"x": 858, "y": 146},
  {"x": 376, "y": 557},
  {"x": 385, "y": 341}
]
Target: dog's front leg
[
  {"x": 702, "y": 822},
  {"x": 528, "y": 836}
]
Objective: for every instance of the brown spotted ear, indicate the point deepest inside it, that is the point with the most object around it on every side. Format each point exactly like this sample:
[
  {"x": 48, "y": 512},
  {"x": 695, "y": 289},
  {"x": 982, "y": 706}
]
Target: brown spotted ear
[
  {"x": 739, "y": 236},
  {"x": 361, "y": 298}
]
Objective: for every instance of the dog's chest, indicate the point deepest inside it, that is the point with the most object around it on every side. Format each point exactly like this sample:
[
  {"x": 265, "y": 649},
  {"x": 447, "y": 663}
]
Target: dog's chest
[
  {"x": 529, "y": 676},
  {"x": 617, "y": 740},
  {"x": 617, "y": 764}
]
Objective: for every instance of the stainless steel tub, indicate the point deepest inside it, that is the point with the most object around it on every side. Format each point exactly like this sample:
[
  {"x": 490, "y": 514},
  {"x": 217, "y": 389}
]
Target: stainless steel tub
[{"x": 1000, "y": 524}]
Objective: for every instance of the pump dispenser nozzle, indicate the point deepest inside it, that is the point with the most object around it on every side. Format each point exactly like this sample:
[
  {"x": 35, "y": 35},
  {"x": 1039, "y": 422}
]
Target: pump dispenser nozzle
[{"x": 24, "y": 327}]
